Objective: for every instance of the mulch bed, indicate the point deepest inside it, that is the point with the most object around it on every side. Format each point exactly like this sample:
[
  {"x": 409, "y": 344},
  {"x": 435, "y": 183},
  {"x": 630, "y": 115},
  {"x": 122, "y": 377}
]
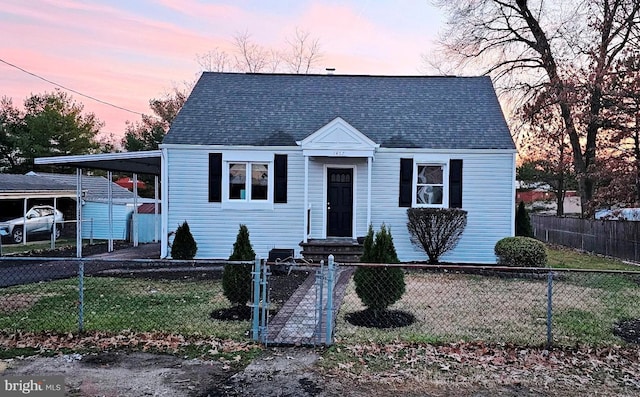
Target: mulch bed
[
  {"x": 281, "y": 287},
  {"x": 628, "y": 330},
  {"x": 381, "y": 319}
]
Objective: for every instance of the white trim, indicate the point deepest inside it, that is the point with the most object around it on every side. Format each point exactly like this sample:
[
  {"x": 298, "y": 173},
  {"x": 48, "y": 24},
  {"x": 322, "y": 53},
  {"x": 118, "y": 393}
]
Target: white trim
[
  {"x": 417, "y": 151},
  {"x": 513, "y": 194},
  {"x": 292, "y": 148},
  {"x": 332, "y": 152},
  {"x": 434, "y": 161},
  {"x": 338, "y": 134},
  {"x": 97, "y": 157},
  {"x": 369, "y": 166},
  {"x": 305, "y": 235},
  {"x": 325, "y": 195},
  {"x": 164, "y": 204},
  {"x": 247, "y": 203},
  {"x": 248, "y": 155}
]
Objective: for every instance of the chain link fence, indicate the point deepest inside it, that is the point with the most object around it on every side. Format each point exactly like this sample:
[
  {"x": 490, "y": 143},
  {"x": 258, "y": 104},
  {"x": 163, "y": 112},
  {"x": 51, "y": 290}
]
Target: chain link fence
[
  {"x": 529, "y": 307},
  {"x": 510, "y": 305}
]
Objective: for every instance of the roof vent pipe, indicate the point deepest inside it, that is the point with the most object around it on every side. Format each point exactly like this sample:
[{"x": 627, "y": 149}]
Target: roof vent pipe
[{"x": 330, "y": 71}]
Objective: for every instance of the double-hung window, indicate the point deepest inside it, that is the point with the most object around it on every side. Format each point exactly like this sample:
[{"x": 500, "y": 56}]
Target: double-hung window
[
  {"x": 430, "y": 181},
  {"x": 248, "y": 181},
  {"x": 429, "y": 185}
]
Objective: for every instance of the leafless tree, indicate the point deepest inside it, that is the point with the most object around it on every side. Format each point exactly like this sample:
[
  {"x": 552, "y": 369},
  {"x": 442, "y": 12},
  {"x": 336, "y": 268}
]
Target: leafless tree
[
  {"x": 300, "y": 56},
  {"x": 249, "y": 56},
  {"x": 561, "y": 49},
  {"x": 303, "y": 53},
  {"x": 214, "y": 61}
]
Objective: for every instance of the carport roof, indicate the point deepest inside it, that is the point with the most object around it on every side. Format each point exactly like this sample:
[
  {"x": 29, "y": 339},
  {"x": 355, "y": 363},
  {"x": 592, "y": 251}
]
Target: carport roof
[
  {"x": 17, "y": 186},
  {"x": 147, "y": 162}
]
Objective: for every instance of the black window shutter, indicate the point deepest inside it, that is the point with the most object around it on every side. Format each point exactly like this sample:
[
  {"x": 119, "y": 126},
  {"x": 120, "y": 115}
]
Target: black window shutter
[
  {"x": 215, "y": 177},
  {"x": 455, "y": 184},
  {"x": 406, "y": 182},
  {"x": 280, "y": 178}
]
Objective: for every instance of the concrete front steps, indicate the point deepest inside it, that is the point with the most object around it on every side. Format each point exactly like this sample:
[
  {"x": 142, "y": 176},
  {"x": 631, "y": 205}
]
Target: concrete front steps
[{"x": 344, "y": 250}]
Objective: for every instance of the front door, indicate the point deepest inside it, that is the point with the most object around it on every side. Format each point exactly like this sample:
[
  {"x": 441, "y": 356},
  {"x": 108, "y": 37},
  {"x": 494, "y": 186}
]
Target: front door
[{"x": 339, "y": 202}]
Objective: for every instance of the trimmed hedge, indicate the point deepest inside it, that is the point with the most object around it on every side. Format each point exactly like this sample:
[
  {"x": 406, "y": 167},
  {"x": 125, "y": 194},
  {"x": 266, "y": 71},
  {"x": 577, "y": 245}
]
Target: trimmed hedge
[{"x": 521, "y": 252}]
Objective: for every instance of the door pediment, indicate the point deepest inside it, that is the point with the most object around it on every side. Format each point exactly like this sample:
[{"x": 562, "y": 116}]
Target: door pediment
[{"x": 338, "y": 139}]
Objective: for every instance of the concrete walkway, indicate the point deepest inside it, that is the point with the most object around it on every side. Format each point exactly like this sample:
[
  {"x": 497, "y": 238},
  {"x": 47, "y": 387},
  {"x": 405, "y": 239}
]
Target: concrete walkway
[
  {"x": 142, "y": 251},
  {"x": 297, "y": 322}
]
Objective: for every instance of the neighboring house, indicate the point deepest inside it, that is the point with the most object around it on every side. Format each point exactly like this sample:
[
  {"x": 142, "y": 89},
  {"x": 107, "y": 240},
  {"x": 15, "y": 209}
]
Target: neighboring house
[
  {"x": 300, "y": 158},
  {"x": 95, "y": 208}
]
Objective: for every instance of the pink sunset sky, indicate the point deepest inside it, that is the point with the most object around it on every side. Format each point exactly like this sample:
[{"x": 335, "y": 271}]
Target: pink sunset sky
[{"x": 127, "y": 52}]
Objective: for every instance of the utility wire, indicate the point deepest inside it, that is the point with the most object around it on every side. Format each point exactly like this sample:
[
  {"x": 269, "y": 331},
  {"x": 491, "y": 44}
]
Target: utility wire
[{"x": 69, "y": 89}]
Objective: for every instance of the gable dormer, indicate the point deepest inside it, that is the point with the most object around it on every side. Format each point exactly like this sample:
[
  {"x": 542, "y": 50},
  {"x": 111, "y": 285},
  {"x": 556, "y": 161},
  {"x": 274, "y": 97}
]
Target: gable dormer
[{"x": 338, "y": 139}]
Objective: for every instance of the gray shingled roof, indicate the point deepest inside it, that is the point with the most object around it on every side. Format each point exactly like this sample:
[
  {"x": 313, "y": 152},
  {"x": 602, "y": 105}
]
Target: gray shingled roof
[
  {"x": 30, "y": 183},
  {"x": 96, "y": 187},
  {"x": 394, "y": 111}
]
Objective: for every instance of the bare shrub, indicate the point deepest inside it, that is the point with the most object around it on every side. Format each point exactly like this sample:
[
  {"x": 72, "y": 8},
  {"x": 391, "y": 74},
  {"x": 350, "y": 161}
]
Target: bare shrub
[{"x": 436, "y": 230}]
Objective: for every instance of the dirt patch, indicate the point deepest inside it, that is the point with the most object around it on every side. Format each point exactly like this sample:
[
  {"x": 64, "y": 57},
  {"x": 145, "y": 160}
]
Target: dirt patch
[
  {"x": 127, "y": 374},
  {"x": 484, "y": 371}
]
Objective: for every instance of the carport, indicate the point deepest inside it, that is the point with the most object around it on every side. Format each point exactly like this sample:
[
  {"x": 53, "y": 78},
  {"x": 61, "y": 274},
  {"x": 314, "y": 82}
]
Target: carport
[
  {"x": 148, "y": 162},
  {"x": 17, "y": 187}
]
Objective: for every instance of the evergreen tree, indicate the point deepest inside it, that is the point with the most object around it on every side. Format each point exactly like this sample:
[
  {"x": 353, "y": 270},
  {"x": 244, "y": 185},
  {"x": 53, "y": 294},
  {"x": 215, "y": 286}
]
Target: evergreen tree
[
  {"x": 523, "y": 222},
  {"x": 379, "y": 287},
  {"x": 236, "y": 279},
  {"x": 184, "y": 245}
]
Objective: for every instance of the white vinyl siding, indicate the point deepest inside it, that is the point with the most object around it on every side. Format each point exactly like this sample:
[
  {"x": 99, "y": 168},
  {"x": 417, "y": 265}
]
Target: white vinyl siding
[
  {"x": 488, "y": 195},
  {"x": 215, "y": 225}
]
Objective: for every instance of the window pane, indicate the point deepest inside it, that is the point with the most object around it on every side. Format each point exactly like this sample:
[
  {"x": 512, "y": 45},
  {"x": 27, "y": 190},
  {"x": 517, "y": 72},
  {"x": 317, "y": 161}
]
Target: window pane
[
  {"x": 429, "y": 195},
  {"x": 237, "y": 181},
  {"x": 431, "y": 174},
  {"x": 259, "y": 181}
]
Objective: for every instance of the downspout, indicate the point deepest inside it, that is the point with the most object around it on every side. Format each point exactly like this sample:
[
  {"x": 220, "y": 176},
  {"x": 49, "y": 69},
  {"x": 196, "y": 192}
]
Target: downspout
[
  {"x": 369, "y": 163},
  {"x": 306, "y": 199}
]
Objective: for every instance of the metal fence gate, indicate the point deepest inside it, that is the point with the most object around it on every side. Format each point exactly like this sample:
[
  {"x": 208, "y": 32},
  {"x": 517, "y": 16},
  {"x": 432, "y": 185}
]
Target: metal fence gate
[{"x": 307, "y": 318}]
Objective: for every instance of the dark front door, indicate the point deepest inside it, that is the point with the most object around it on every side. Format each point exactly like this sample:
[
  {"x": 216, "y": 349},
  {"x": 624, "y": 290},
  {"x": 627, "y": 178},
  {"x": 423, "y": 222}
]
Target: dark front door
[{"x": 339, "y": 202}]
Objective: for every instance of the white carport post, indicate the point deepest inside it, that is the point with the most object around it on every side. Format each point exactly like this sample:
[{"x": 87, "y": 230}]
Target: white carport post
[
  {"x": 24, "y": 221},
  {"x": 306, "y": 199},
  {"x": 110, "y": 208},
  {"x": 79, "y": 212},
  {"x": 164, "y": 200},
  {"x": 54, "y": 226},
  {"x": 135, "y": 209}
]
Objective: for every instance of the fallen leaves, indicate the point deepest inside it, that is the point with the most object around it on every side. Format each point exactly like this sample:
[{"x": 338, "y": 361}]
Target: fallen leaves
[
  {"x": 498, "y": 364},
  {"x": 142, "y": 341}
]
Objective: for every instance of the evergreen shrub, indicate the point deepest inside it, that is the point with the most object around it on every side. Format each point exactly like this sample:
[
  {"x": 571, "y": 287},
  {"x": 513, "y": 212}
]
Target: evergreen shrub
[{"x": 184, "y": 245}]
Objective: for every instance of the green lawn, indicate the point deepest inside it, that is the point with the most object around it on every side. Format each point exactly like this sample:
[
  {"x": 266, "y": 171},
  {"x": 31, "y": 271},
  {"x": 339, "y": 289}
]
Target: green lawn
[
  {"x": 567, "y": 258},
  {"x": 116, "y": 304}
]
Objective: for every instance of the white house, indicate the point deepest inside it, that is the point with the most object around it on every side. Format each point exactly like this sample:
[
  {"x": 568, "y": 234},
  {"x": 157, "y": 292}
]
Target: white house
[{"x": 300, "y": 158}]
